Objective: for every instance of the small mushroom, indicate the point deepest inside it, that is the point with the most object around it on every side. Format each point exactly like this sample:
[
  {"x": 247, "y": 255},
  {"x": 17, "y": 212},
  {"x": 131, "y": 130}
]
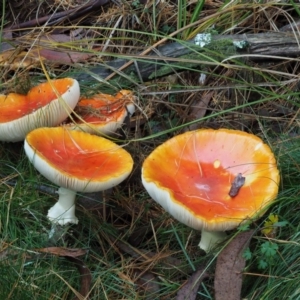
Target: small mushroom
[
  {"x": 191, "y": 176},
  {"x": 103, "y": 114},
  {"x": 77, "y": 162},
  {"x": 47, "y": 104}
]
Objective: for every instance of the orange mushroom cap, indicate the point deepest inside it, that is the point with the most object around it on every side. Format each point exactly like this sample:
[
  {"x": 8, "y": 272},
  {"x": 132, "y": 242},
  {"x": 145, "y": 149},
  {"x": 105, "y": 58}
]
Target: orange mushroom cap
[
  {"x": 77, "y": 160},
  {"x": 40, "y": 107},
  {"x": 190, "y": 176},
  {"x": 103, "y": 113}
]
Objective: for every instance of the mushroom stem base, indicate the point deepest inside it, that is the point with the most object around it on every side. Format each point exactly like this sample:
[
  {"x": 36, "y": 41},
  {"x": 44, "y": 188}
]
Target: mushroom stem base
[
  {"x": 63, "y": 212},
  {"x": 209, "y": 239}
]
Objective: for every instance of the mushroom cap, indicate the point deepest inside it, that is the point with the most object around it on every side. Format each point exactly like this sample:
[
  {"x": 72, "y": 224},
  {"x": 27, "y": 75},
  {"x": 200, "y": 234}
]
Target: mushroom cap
[
  {"x": 77, "y": 160},
  {"x": 103, "y": 113},
  {"x": 190, "y": 176},
  {"x": 39, "y": 108}
]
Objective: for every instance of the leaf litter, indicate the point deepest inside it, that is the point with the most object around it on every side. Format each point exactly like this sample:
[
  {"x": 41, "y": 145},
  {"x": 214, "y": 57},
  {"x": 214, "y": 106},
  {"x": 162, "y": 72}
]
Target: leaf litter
[
  {"x": 72, "y": 256},
  {"x": 223, "y": 266},
  {"x": 230, "y": 266},
  {"x": 190, "y": 289}
]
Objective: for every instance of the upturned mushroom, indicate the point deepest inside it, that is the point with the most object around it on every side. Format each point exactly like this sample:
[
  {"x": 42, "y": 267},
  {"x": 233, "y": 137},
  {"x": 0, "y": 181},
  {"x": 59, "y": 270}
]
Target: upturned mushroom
[
  {"x": 47, "y": 104},
  {"x": 212, "y": 180},
  {"x": 77, "y": 162},
  {"x": 102, "y": 114}
]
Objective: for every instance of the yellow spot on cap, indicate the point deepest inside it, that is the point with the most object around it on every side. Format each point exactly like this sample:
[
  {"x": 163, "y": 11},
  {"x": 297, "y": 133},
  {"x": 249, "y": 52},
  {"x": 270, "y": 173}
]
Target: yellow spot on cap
[{"x": 217, "y": 164}]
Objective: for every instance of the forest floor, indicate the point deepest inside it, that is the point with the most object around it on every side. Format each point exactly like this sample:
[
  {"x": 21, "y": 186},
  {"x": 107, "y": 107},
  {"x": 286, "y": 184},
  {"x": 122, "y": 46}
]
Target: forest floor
[{"x": 126, "y": 246}]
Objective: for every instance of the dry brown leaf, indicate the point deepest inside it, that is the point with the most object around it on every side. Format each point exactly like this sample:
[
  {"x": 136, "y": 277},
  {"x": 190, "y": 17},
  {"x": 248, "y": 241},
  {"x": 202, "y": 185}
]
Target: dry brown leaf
[
  {"x": 198, "y": 109},
  {"x": 5, "y": 38},
  {"x": 71, "y": 255},
  {"x": 85, "y": 277},
  {"x": 147, "y": 281},
  {"x": 64, "y": 56},
  {"x": 15, "y": 59},
  {"x": 146, "y": 255},
  {"x": 138, "y": 234},
  {"x": 59, "y": 251},
  {"x": 190, "y": 289},
  {"x": 49, "y": 39},
  {"x": 229, "y": 268}
]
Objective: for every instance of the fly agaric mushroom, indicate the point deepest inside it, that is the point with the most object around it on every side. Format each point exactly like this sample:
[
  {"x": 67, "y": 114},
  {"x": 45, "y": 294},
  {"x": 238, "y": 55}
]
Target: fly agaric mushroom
[
  {"x": 77, "y": 162},
  {"x": 46, "y": 104},
  {"x": 191, "y": 176},
  {"x": 103, "y": 113}
]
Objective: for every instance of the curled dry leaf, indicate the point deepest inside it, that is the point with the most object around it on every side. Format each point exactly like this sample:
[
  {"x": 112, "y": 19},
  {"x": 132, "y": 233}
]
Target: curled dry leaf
[
  {"x": 64, "y": 56},
  {"x": 31, "y": 59},
  {"x": 190, "y": 289},
  {"x": 198, "y": 109},
  {"x": 85, "y": 277},
  {"x": 230, "y": 265},
  {"x": 147, "y": 282},
  {"x": 72, "y": 256},
  {"x": 15, "y": 58}
]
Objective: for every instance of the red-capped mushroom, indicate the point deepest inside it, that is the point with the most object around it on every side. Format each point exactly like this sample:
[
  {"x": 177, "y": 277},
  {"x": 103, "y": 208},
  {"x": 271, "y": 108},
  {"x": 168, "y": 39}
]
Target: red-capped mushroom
[
  {"x": 47, "y": 104},
  {"x": 103, "y": 114},
  {"x": 212, "y": 180},
  {"x": 77, "y": 162}
]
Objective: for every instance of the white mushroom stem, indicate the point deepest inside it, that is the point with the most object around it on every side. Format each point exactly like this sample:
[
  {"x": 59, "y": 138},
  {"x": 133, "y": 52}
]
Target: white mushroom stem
[
  {"x": 209, "y": 239},
  {"x": 63, "y": 212}
]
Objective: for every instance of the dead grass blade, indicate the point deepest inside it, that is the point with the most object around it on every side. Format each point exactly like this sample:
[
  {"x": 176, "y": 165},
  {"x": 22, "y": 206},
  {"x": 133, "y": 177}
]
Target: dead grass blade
[{"x": 59, "y": 251}]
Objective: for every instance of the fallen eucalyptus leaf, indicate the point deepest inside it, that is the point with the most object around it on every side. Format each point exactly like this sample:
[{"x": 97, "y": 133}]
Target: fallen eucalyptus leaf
[
  {"x": 85, "y": 277},
  {"x": 190, "y": 289},
  {"x": 229, "y": 268},
  {"x": 198, "y": 109},
  {"x": 147, "y": 282},
  {"x": 71, "y": 255}
]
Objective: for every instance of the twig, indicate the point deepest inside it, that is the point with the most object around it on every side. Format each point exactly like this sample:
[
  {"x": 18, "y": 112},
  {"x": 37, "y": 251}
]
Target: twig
[
  {"x": 70, "y": 14},
  {"x": 258, "y": 47}
]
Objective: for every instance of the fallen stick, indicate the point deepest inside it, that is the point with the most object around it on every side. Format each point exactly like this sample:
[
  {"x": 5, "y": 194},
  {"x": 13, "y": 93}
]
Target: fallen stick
[{"x": 203, "y": 50}]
